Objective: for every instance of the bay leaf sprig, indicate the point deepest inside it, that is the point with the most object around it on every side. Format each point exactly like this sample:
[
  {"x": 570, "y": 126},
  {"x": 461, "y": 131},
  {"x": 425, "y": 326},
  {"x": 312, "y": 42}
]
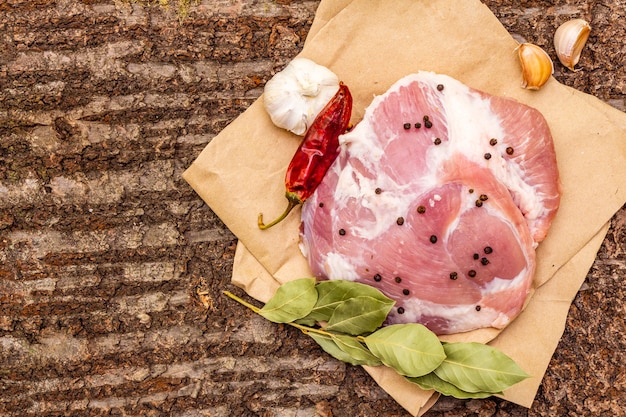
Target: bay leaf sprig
[{"x": 346, "y": 319}]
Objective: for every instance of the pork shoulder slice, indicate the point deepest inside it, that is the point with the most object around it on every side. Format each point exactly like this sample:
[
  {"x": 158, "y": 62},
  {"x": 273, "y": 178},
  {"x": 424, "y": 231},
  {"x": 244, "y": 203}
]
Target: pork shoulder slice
[{"x": 438, "y": 198}]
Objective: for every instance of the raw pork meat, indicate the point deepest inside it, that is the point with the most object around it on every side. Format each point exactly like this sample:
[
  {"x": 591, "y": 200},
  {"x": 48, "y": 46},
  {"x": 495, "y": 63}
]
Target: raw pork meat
[{"x": 438, "y": 198}]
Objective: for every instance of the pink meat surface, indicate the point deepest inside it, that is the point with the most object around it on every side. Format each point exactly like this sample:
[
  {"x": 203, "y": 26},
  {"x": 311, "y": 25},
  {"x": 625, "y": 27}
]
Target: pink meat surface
[{"x": 443, "y": 218}]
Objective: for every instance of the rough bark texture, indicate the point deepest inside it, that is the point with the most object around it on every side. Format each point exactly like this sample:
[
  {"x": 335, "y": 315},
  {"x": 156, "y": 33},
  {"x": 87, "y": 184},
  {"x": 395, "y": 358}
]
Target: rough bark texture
[{"x": 111, "y": 267}]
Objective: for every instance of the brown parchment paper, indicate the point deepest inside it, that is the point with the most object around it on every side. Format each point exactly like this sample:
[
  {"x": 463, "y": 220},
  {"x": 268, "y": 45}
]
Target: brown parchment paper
[{"x": 371, "y": 44}]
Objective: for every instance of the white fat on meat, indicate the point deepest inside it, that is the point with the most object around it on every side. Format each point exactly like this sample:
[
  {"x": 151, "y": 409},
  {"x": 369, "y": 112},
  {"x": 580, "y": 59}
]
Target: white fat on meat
[{"x": 438, "y": 198}]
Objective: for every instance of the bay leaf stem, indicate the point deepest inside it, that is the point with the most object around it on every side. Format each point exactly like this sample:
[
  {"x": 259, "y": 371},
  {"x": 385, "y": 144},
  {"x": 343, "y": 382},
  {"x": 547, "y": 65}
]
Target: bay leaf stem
[
  {"x": 241, "y": 301},
  {"x": 302, "y": 328}
]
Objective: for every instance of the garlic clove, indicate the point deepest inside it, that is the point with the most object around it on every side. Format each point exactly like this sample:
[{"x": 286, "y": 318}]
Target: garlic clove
[
  {"x": 294, "y": 96},
  {"x": 569, "y": 40},
  {"x": 537, "y": 66}
]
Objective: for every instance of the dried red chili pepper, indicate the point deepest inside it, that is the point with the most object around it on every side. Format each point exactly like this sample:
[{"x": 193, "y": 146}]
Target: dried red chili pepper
[{"x": 316, "y": 153}]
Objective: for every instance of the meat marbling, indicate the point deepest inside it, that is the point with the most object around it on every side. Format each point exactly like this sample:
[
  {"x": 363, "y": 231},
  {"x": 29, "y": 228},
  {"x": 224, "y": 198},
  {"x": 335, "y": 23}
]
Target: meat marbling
[{"x": 444, "y": 218}]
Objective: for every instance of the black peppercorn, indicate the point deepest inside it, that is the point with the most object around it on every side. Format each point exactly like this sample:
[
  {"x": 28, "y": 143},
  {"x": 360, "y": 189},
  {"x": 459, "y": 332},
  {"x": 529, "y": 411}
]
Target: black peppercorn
[
  {"x": 509, "y": 151},
  {"x": 398, "y": 280},
  {"x": 405, "y": 291},
  {"x": 378, "y": 190},
  {"x": 407, "y": 125},
  {"x": 421, "y": 209},
  {"x": 487, "y": 156},
  {"x": 428, "y": 124},
  {"x": 377, "y": 278},
  {"x": 440, "y": 87},
  {"x": 479, "y": 203},
  {"x": 433, "y": 239},
  {"x": 321, "y": 204},
  {"x": 477, "y": 308},
  {"x": 493, "y": 142},
  {"x": 483, "y": 197},
  {"x": 437, "y": 141},
  {"x": 453, "y": 275},
  {"x": 476, "y": 256},
  {"x": 488, "y": 250},
  {"x": 484, "y": 261},
  {"x": 400, "y": 310},
  {"x": 400, "y": 221},
  {"x": 471, "y": 273},
  {"x": 342, "y": 232},
  {"x": 418, "y": 125}
]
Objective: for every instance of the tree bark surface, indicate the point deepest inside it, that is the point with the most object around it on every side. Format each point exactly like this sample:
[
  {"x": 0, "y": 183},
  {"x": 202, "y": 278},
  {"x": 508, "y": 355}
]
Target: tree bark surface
[{"x": 112, "y": 268}]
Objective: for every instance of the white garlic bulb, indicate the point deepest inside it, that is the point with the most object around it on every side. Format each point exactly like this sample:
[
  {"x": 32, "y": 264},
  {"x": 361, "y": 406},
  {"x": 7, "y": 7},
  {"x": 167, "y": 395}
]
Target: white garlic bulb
[
  {"x": 296, "y": 95},
  {"x": 569, "y": 40}
]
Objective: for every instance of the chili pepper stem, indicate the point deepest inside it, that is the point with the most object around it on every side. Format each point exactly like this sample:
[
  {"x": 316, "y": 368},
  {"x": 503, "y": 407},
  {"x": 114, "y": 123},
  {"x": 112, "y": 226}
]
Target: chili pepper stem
[{"x": 293, "y": 200}]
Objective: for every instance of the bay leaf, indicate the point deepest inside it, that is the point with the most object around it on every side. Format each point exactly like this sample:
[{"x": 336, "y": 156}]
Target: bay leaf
[
  {"x": 334, "y": 292},
  {"x": 356, "y": 350},
  {"x": 475, "y": 367},
  {"x": 432, "y": 381},
  {"x": 411, "y": 349},
  {"x": 306, "y": 321},
  {"x": 329, "y": 346},
  {"x": 359, "y": 315},
  {"x": 292, "y": 301}
]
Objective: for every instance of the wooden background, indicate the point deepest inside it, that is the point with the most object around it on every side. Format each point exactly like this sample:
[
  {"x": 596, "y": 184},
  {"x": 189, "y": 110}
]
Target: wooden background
[{"x": 111, "y": 267}]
